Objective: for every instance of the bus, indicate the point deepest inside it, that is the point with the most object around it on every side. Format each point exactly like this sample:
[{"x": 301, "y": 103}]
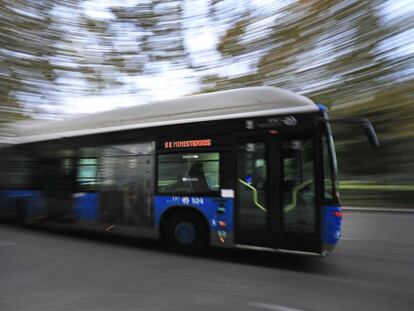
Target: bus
[{"x": 246, "y": 168}]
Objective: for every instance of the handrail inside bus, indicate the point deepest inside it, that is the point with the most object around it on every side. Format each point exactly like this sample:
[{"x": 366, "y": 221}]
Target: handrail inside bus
[
  {"x": 255, "y": 196},
  {"x": 295, "y": 191},
  {"x": 289, "y": 207}
]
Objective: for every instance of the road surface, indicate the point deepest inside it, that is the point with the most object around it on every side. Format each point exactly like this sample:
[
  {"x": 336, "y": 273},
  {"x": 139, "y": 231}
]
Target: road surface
[{"x": 372, "y": 269}]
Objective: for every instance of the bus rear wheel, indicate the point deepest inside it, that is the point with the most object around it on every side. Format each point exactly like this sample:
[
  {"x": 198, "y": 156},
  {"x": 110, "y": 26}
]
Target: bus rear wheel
[{"x": 185, "y": 233}]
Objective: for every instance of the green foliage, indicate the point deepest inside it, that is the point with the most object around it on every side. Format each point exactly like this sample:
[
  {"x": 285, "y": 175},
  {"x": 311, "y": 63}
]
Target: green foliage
[{"x": 229, "y": 44}]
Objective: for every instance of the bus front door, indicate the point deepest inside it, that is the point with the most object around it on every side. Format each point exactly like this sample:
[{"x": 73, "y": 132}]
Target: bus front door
[
  {"x": 275, "y": 193},
  {"x": 301, "y": 217}
]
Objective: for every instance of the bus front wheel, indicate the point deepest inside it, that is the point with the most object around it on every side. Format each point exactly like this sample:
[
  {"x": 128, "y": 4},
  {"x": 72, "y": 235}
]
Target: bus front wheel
[{"x": 186, "y": 233}]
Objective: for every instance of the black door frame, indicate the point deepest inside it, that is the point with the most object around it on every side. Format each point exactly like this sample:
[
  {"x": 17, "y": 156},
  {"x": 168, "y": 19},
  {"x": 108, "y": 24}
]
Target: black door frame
[
  {"x": 274, "y": 235},
  {"x": 308, "y": 242}
]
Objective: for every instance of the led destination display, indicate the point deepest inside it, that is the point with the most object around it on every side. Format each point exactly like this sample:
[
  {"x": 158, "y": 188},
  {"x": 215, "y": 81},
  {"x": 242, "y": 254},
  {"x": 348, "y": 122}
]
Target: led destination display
[{"x": 187, "y": 143}]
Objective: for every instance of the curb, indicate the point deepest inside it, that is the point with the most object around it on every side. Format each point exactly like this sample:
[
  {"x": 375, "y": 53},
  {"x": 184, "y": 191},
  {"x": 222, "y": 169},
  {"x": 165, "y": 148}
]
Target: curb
[{"x": 378, "y": 209}]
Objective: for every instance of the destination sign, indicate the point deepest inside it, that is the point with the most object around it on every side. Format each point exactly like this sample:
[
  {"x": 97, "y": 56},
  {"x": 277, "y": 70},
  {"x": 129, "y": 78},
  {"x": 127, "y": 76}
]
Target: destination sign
[{"x": 187, "y": 143}]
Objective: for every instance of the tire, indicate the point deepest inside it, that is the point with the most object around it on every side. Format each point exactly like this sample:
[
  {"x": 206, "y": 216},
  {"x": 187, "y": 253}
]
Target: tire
[{"x": 185, "y": 233}]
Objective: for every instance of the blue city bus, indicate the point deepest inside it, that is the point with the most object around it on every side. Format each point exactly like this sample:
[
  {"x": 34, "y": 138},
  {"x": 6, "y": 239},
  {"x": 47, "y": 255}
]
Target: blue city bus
[{"x": 247, "y": 168}]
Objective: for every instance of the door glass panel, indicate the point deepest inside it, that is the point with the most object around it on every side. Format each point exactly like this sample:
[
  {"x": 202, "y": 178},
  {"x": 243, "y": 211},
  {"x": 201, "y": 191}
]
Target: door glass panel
[
  {"x": 126, "y": 176},
  {"x": 87, "y": 171},
  {"x": 299, "y": 187},
  {"x": 252, "y": 185}
]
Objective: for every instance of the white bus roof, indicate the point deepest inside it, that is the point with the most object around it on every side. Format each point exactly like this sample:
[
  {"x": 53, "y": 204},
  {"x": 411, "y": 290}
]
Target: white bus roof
[{"x": 231, "y": 104}]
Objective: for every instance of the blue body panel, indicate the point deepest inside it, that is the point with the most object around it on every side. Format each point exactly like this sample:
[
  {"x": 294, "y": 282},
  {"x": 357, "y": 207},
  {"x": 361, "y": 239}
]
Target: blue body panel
[
  {"x": 331, "y": 231},
  {"x": 32, "y": 202},
  {"x": 322, "y": 108},
  {"x": 208, "y": 206},
  {"x": 86, "y": 206}
]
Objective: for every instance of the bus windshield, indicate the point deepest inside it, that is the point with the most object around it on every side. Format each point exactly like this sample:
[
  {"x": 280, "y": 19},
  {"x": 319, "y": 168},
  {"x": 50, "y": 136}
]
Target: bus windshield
[{"x": 330, "y": 168}]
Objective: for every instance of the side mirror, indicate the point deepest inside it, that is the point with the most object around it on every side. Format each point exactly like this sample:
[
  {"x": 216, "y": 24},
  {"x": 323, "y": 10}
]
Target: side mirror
[
  {"x": 369, "y": 132},
  {"x": 362, "y": 122}
]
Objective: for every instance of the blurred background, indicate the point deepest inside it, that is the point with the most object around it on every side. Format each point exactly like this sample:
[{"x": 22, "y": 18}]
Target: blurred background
[{"x": 60, "y": 57}]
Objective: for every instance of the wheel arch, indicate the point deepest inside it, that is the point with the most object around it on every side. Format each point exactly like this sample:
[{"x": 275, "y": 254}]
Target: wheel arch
[{"x": 177, "y": 209}]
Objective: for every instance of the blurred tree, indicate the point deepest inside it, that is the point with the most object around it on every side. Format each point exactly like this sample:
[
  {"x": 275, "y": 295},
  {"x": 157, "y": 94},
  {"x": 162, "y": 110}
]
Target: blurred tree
[
  {"x": 354, "y": 56},
  {"x": 345, "y": 54},
  {"x": 25, "y": 42},
  {"x": 54, "y": 51},
  {"x": 230, "y": 43},
  {"x": 162, "y": 40}
]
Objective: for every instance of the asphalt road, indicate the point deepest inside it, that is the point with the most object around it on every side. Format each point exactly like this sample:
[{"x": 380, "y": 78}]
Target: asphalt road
[{"x": 372, "y": 269}]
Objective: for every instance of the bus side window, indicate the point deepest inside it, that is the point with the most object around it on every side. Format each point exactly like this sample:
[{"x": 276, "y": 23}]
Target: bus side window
[
  {"x": 189, "y": 173},
  {"x": 87, "y": 171}
]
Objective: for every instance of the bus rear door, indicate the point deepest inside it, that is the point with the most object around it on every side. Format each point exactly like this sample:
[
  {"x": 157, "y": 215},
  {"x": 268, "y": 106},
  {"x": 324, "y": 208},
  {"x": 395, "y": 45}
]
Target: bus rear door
[{"x": 258, "y": 218}]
